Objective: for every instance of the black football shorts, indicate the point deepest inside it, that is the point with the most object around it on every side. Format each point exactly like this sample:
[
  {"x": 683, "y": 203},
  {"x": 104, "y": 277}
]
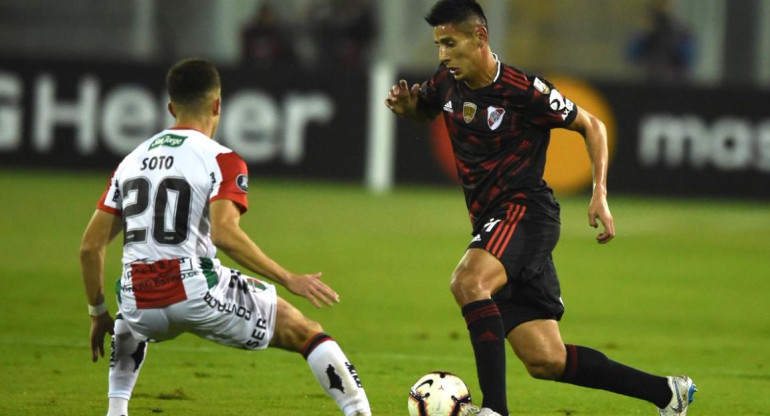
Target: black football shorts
[{"x": 523, "y": 237}]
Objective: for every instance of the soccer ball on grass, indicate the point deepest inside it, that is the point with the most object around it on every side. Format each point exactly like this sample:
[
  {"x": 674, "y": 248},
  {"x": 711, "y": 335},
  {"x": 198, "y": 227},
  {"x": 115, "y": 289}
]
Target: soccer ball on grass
[{"x": 438, "y": 393}]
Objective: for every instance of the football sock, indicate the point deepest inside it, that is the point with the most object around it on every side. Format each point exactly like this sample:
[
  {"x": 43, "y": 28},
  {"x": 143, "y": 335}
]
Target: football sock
[
  {"x": 118, "y": 407},
  {"x": 126, "y": 359},
  {"x": 337, "y": 376},
  {"x": 485, "y": 326},
  {"x": 587, "y": 367}
]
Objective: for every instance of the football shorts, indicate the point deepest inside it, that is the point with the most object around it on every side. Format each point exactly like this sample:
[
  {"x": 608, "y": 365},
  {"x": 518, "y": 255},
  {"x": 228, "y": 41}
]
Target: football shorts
[
  {"x": 160, "y": 300},
  {"x": 523, "y": 240}
]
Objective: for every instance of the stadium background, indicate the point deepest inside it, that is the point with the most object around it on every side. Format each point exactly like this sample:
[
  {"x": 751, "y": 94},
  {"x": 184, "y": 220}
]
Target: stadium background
[{"x": 81, "y": 84}]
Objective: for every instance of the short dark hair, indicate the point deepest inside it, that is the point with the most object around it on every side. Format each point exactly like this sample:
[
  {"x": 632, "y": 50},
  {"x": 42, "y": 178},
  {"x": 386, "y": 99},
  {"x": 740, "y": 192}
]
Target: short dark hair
[
  {"x": 455, "y": 11},
  {"x": 190, "y": 81}
]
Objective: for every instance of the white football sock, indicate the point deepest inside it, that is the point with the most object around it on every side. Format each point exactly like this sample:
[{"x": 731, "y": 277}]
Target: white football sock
[
  {"x": 118, "y": 407},
  {"x": 126, "y": 358},
  {"x": 339, "y": 378}
]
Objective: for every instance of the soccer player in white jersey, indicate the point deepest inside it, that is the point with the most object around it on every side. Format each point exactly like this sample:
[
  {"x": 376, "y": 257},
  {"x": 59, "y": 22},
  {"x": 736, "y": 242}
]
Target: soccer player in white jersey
[{"x": 178, "y": 197}]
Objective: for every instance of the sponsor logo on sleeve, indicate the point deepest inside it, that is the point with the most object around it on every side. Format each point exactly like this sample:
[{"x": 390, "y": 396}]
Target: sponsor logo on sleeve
[
  {"x": 242, "y": 182},
  {"x": 560, "y": 104},
  {"x": 494, "y": 117},
  {"x": 448, "y": 107}
]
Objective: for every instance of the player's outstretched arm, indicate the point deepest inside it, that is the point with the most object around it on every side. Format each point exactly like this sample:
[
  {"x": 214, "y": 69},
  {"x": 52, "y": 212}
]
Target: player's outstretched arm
[
  {"x": 595, "y": 134},
  {"x": 102, "y": 228},
  {"x": 227, "y": 235},
  {"x": 403, "y": 101}
]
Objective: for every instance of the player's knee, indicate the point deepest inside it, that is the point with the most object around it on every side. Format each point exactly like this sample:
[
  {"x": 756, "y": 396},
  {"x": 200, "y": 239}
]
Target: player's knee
[
  {"x": 303, "y": 330},
  {"x": 293, "y": 329},
  {"x": 466, "y": 286},
  {"x": 312, "y": 328},
  {"x": 545, "y": 367},
  {"x": 460, "y": 288}
]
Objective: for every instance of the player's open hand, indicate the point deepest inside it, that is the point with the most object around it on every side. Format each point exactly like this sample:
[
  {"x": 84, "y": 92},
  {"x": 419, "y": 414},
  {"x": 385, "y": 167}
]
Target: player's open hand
[
  {"x": 401, "y": 99},
  {"x": 599, "y": 211},
  {"x": 100, "y": 326},
  {"x": 311, "y": 287}
]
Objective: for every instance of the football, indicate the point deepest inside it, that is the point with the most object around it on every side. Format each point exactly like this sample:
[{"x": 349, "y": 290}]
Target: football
[{"x": 438, "y": 393}]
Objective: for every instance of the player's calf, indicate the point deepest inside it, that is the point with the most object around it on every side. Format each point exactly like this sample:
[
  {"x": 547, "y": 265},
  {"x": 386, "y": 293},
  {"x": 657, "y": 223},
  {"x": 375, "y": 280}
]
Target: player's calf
[{"x": 545, "y": 368}]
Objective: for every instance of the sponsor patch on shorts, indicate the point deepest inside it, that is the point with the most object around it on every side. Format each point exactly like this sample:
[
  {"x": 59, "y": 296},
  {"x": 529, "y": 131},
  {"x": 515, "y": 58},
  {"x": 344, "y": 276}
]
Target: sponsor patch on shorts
[{"x": 157, "y": 284}]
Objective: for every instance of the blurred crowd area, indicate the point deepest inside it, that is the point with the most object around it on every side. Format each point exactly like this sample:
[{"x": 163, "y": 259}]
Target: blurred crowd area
[
  {"x": 702, "y": 41},
  {"x": 311, "y": 34}
]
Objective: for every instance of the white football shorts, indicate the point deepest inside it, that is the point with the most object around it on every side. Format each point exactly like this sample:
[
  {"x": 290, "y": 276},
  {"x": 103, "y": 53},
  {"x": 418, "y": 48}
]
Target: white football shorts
[{"x": 160, "y": 300}]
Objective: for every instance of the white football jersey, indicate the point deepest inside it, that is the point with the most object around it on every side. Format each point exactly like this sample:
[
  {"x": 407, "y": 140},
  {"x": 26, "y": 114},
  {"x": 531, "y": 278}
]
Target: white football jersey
[{"x": 162, "y": 191}]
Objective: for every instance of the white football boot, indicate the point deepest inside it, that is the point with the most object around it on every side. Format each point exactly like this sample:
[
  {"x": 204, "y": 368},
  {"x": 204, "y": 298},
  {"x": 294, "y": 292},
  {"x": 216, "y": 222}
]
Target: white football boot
[
  {"x": 467, "y": 409},
  {"x": 683, "y": 389}
]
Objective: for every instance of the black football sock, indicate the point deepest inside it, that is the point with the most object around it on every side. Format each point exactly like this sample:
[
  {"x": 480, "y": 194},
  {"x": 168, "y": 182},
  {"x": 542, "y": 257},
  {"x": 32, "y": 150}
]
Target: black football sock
[
  {"x": 587, "y": 367},
  {"x": 488, "y": 340}
]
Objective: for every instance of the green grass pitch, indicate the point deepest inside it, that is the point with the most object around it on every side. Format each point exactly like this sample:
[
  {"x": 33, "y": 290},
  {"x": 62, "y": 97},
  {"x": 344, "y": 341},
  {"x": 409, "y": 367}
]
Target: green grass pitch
[{"x": 684, "y": 288}]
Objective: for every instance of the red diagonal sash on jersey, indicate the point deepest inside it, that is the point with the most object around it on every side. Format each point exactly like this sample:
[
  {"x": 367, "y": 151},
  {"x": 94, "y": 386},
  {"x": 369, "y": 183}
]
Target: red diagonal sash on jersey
[{"x": 158, "y": 284}]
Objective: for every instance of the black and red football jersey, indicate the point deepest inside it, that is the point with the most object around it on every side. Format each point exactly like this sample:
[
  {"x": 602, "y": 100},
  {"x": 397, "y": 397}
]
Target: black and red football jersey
[{"x": 499, "y": 132}]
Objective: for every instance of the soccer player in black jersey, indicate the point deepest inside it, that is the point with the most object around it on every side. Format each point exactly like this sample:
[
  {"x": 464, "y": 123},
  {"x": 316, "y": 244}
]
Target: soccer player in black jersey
[{"x": 499, "y": 121}]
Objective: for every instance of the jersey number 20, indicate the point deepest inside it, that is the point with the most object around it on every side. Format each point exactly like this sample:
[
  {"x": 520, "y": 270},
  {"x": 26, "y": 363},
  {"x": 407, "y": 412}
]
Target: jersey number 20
[{"x": 180, "y": 214}]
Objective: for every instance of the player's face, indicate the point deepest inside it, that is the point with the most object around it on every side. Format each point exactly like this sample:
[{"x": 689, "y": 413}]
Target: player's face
[{"x": 459, "y": 49}]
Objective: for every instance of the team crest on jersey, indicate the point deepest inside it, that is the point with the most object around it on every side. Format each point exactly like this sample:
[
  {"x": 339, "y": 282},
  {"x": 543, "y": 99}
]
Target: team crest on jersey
[
  {"x": 541, "y": 86},
  {"x": 242, "y": 181},
  {"x": 171, "y": 140},
  {"x": 494, "y": 117},
  {"x": 469, "y": 111}
]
